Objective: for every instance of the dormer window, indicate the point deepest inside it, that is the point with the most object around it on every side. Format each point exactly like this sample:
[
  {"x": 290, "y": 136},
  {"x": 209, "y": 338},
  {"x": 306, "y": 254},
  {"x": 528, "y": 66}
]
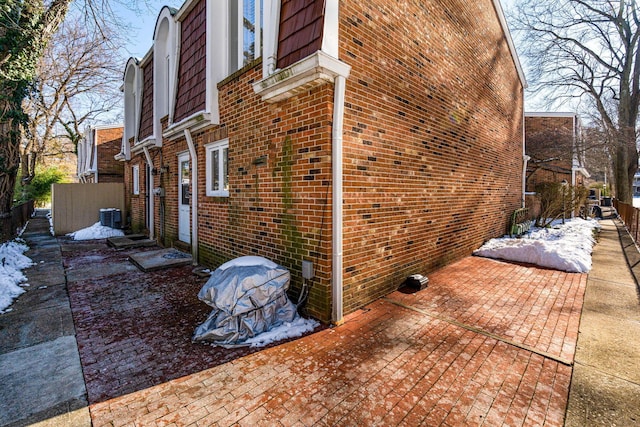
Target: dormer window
[{"x": 245, "y": 27}]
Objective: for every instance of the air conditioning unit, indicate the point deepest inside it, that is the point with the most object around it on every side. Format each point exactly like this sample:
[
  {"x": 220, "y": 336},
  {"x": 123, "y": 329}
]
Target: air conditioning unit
[{"x": 111, "y": 217}]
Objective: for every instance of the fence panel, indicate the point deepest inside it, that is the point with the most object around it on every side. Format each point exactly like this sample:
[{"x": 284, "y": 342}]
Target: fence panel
[
  {"x": 77, "y": 206},
  {"x": 630, "y": 216},
  {"x": 10, "y": 225}
]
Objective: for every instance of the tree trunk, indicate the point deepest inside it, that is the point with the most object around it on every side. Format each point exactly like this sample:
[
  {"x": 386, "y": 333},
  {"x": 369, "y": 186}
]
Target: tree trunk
[
  {"x": 9, "y": 154},
  {"x": 626, "y": 165}
]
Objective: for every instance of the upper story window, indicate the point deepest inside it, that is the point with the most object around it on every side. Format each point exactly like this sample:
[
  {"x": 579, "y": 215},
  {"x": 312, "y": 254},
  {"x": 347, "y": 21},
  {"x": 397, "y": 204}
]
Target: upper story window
[{"x": 245, "y": 29}]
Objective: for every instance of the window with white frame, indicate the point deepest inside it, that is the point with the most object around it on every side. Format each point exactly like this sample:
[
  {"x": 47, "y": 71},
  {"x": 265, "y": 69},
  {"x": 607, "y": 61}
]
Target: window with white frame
[
  {"x": 245, "y": 27},
  {"x": 135, "y": 174},
  {"x": 217, "y": 168}
]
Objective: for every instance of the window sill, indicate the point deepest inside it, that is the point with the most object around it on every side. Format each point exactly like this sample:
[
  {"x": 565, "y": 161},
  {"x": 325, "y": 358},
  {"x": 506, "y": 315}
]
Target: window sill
[
  {"x": 306, "y": 74},
  {"x": 194, "y": 122}
]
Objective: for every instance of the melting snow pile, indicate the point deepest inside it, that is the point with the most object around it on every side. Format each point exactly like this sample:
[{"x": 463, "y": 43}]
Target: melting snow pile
[
  {"x": 12, "y": 261},
  {"x": 564, "y": 247},
  {"x": 250, "y": 305},
  {"x": 96, "y": 231}
]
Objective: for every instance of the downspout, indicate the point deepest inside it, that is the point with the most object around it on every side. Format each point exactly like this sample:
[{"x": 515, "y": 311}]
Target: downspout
[
  {"x": 150, "y": 192},
  {"x": 524, "y": 163},
  {"x": 194, "y": 196},
  {"x": 336, "y": 150}
]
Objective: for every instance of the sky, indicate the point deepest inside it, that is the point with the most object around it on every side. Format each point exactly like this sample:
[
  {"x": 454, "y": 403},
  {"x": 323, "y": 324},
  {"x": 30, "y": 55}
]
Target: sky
[{"x": 141, "y": 24}]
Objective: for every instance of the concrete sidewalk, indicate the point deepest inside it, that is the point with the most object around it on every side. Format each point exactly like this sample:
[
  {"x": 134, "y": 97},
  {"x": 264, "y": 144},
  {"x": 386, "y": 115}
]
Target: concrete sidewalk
[
  {"x": 40, "y": 373},
  {"x": 605, "y": 387}
]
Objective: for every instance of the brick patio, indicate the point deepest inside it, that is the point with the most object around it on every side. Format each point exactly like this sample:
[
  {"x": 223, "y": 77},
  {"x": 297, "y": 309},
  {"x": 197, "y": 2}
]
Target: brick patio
[{"x": 486, "y": 343}]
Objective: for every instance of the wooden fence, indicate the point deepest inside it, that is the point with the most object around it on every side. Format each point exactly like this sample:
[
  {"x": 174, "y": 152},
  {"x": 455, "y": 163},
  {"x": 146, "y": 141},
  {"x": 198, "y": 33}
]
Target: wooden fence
[
  {"x": 10, "y": 225},
  {"x": 77, "y": 206},
  {"x": 630, "y": 216}
]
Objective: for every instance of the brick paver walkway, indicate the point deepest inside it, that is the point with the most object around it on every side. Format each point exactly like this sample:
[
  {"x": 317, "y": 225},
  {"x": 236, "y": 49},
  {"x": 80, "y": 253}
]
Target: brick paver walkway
[{"x": 486, "y": 343}]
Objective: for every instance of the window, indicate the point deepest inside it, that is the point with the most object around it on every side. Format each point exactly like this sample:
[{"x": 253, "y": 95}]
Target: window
[
  {"x": 245, "y": 28},
  {"x": 217, "y": 169},
  {"x": 135, "y": 172}
]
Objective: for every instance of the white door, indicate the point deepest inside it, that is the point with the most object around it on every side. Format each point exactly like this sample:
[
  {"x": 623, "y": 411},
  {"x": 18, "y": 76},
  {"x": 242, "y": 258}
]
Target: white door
[{"x": 184, "y": 198}]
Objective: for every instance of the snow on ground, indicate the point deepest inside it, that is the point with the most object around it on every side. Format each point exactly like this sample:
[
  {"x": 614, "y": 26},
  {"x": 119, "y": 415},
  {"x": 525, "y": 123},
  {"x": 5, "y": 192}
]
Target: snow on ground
[
  {"x": 12, "y": 262},
  {"x": 296, "y": 328},
  {"x": 96, "y": 231},
  {"x": 565, "y": 247}
]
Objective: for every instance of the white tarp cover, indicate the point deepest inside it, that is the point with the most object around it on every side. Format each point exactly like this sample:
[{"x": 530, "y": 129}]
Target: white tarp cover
[{"x": 247, "y": 300}]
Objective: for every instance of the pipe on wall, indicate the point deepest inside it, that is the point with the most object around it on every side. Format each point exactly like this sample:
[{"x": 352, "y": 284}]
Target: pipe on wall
[{"x": 336, "y": 150}]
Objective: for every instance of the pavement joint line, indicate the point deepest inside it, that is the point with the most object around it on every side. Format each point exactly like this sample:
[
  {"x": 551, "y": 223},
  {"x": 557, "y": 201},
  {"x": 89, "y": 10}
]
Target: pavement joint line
[
  {"x": 597, "y": 279},
  {"x": 609, "y": 374},
  {"x": 482, "y": 332}
]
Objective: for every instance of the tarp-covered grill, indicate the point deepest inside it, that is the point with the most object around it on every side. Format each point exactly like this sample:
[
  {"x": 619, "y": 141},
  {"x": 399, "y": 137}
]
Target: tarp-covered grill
[{"x": 248, "y": 296}]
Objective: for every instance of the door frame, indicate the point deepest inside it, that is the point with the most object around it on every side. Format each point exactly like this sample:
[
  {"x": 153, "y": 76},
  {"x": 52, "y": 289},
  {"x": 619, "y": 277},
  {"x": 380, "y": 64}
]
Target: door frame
[{"x": 184, "y": 214}]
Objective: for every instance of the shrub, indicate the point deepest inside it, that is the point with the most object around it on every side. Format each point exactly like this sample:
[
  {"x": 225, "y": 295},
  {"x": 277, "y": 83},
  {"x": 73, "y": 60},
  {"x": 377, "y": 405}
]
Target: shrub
[
  {"x": 39, "y": 189},
  {"x": 558, "y": 201}
]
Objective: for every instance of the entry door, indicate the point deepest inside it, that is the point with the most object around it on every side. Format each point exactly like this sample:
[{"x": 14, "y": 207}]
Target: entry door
[{"x": 184, "y": 198}]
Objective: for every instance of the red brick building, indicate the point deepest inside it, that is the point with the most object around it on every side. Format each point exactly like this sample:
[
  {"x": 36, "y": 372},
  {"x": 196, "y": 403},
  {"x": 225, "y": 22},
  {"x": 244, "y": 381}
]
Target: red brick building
[
  {"x": 373, "y": 140},
  {"x": 554, "y": 146},
  {"x": 96, "y": 151}
]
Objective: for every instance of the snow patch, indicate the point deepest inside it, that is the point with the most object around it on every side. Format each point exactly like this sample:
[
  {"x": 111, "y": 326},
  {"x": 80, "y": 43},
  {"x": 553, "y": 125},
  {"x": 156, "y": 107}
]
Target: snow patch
[
  {"x": 565, "y": 247},
  {"x": 96, "y": 231},
  {"x": 296, "y": 328},
  {"x": 12, "y": 262}
]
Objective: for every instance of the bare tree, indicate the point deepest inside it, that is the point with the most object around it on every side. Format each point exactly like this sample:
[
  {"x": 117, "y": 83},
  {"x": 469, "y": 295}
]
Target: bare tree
[
  {"x": 26, "y": 26},
  {"x": 587, "y": 50},
  {"x": 77, "y": 82}
]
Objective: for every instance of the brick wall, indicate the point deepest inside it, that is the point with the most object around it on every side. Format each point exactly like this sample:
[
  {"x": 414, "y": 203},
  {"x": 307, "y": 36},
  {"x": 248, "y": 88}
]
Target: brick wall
[
  {"x": 109, "y": 143},
  {"x": 432, "y": 154},
  {"x": 549, "y": 143},
  {"x": 279, "y": 172},
  {"x": 432, "y": 141},
  {"x": 136, "y": 208}
]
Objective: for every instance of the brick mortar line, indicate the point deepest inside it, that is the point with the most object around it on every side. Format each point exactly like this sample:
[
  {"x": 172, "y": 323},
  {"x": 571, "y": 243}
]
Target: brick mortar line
[{"x": 482, "y": 332}]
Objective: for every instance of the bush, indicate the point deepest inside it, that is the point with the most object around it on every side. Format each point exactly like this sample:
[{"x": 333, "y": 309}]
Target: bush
[
  {"x": 39, "y": 189},
  {"x": 558, "y": 201}
]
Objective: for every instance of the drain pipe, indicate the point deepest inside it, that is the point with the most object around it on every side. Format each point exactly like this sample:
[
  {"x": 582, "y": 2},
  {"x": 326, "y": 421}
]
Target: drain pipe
[
  {"x": 336, "y": 149},
  {"x": 194, "y": 196},
  {"x": 150, "y": 192},
  {"x": 524, "y": 179},
  {"x": 525, "y": 159}
]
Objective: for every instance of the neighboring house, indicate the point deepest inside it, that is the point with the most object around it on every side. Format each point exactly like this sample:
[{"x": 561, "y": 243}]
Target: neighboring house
[
  {"x": 96, "y": 151},
  {"x": 555, "y": 149},
  {"x": 636, "y": 184},
  {"x": 371, "y": 139}
]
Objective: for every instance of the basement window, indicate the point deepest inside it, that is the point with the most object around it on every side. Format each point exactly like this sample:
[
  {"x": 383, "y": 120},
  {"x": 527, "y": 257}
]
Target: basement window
[{"x": 217, "y": 170}]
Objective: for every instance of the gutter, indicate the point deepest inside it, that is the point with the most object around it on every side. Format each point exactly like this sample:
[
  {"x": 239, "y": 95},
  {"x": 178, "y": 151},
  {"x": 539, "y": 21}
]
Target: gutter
[
  {"x": 149, "y": 191},
  {"x": 336, "y": 150},
  {"x": 194, "y": 196}
]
